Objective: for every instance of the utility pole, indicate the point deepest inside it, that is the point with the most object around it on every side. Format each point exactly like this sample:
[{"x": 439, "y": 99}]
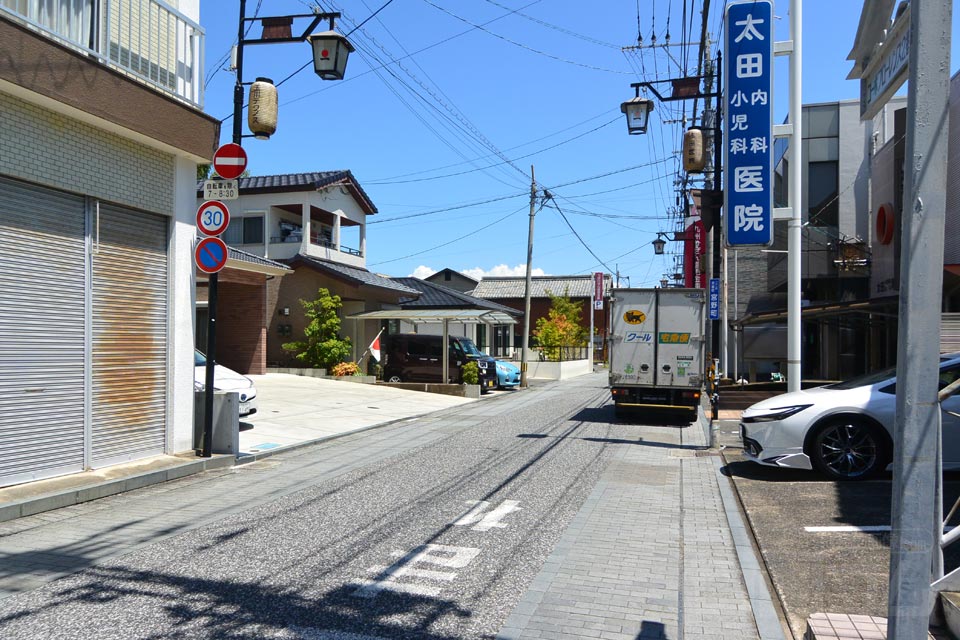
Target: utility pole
[
  {"x": 526, "y": 291},
  {"x": 795, "y": 197},
  {"x": 916, "y": 505}
]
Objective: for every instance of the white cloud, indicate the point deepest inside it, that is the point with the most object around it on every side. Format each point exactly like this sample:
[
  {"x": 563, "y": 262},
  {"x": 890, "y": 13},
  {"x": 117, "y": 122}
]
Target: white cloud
[
  {"x": 478, "y": 273},
  {"x": 423, "y": 272}
]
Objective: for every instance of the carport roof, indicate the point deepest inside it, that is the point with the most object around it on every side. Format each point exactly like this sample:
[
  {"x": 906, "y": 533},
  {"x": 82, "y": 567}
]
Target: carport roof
[
  {"x": 436, "y": 296},
  {"x": 421, "y": 316},
  {"x": 354, "y": 275}
]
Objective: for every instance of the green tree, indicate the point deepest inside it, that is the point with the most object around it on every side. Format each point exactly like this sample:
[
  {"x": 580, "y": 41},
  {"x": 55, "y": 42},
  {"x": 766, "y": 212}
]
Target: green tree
[
  {"x": 322, "y": 345},
  {"x": 561, "y": 327}
]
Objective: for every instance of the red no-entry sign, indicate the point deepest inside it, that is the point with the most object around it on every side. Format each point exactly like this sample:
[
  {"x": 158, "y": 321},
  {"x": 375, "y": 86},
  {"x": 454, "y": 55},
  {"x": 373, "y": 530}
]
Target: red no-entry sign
[{"x": 229, "y": 161}]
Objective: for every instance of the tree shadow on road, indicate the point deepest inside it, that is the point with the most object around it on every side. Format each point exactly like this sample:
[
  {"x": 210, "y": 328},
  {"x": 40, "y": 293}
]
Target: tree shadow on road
[{"x": 103, "y": 601}]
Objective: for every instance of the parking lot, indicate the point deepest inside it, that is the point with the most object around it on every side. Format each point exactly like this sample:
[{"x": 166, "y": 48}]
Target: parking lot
[{"x": 810, "y": 533}]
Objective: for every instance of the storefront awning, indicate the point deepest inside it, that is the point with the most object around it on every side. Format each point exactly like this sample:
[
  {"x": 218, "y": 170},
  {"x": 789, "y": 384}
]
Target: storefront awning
[
  {"x": 423, "y": 316},
  {"x": 886, "y": 305}
]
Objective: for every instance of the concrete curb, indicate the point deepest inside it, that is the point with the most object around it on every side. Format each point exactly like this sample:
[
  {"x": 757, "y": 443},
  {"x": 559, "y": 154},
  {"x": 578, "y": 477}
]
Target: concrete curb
[
  {"x": 101, "y": 489},
  {"x": 764, "y": 613},
  {"x": 76, "y": 495}
]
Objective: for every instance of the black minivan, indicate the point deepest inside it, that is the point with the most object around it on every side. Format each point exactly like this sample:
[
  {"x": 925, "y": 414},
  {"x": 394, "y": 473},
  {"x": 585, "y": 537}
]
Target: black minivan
[{"x": 415, "y": 357}]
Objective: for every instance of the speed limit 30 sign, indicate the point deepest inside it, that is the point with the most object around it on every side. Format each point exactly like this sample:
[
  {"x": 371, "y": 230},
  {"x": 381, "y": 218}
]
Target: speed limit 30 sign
[{"x": 213, "y": 217}]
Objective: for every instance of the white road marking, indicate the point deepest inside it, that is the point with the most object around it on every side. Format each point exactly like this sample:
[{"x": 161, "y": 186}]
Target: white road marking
[
  {"x": 877, "y": 528},
  {"x": 848, "y": 529},
  {"x": 489, "y": 521},
  {"x": 388, "y": 578},
  {"x": 313, "y": 633}
]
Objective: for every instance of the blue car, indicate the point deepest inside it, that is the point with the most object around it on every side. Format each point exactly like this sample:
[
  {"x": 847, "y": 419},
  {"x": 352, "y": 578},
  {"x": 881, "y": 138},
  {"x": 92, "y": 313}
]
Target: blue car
[{"x": 508, "y": 375}]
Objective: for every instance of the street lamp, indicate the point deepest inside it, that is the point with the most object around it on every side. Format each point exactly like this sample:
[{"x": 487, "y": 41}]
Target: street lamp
[
  {"x": 637, "y": 111},
  {"x": 330, "y": 53},
  {"x": 659, "y": 244}
]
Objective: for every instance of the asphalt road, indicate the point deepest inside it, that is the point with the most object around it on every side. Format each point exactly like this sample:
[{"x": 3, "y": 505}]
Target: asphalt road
[
  {"x": 436, "y": 541},
  {"x": 830, "y": 570}
]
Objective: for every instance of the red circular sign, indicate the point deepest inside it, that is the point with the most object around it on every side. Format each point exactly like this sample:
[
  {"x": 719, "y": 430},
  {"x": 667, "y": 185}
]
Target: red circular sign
[
  {"x": 210, "y": 255},
  {"x": 213, "y": 218},
  {"x": 885, "y": 223},
  {"x": 230, "y": 161}
]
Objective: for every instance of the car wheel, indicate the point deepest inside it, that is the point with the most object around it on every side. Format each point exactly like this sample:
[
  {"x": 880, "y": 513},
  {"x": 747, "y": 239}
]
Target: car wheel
[
  {"x": 394, "y": 379},
  {"x": 848, "y": 449}
]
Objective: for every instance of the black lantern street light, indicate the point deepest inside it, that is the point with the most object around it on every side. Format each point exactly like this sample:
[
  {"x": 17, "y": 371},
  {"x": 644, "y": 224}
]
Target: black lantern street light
[
  {"x": 659, "y": 244},
  {"x": 637, "y": 111},
  {"x": 330, "y": 53}
]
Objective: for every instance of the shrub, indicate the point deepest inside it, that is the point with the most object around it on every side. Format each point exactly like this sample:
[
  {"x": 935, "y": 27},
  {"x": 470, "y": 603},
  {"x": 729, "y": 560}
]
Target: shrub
[
  {"x": 561, "y": 327},
  {"x": 321, "y": 346},
  {"x": 470, "y": 373},
  {"x": 346, "y": 369}
]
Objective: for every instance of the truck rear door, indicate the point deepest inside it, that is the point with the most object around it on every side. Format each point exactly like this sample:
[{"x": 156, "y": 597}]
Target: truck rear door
[
  {"x": 680, "y": 338},
  {"x": 633, "y": 332}
]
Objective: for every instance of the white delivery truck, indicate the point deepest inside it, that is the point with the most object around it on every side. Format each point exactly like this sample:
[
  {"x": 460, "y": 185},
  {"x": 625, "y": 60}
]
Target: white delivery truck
[{"x": 657, "y": 350}]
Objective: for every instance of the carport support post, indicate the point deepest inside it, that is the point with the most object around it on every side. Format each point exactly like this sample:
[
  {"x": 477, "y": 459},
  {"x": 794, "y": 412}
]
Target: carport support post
[
  {"x": 916, "y": 530},
  {"x": 446, "y": 352}
]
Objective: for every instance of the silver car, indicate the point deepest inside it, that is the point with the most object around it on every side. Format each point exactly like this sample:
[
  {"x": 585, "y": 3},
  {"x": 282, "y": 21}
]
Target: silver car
[
  {"x": 226, "y": 380},
  {"x": 843, "y": 430}
]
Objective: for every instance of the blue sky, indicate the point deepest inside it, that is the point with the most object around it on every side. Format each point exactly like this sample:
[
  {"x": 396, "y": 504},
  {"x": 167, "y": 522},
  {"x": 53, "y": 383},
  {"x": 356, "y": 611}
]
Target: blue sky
[{"x": 445, "y": 107}]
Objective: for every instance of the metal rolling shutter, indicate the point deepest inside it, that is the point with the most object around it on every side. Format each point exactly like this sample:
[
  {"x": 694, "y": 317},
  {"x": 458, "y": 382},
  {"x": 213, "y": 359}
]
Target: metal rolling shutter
[
  {"x": 129, "y": 336},
  {"x": 949, "y": 332},
  {"x": 42, "y": 313}
]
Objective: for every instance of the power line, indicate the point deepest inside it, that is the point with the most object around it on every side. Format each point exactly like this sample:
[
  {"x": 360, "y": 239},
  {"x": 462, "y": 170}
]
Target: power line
[
  {"x": 457, "y": 239},
  {"x": 521, "y": 45}
]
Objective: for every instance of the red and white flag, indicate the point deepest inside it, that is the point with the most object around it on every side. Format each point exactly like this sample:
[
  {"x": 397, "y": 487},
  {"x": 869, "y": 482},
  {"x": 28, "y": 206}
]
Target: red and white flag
[{"x": 375, "y": 347}]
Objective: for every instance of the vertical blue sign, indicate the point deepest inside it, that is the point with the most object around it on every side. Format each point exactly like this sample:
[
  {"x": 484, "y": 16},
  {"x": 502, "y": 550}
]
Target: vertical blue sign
[
  {"x": 748, "y": 112},
  {"x": 714, "y": 298}
]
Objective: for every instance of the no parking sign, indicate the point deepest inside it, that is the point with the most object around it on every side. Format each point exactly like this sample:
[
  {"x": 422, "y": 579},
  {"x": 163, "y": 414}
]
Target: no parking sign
[{"x": 210, "y": 255}]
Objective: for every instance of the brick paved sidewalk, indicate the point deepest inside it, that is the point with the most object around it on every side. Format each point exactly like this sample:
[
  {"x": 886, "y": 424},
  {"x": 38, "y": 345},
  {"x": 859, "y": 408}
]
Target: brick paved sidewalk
[{"x": 652, "y": 555}]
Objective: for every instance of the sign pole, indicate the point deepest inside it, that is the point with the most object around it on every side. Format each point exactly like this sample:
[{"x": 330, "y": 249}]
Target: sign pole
[
  {"x": 795, "y": 197},
  {"x": 213, "y": 277}
]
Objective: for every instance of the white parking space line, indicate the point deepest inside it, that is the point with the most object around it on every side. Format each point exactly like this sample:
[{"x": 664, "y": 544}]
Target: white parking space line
[
  {"x": 878, "y": 528},
  {"x": 849, "y": 529}
]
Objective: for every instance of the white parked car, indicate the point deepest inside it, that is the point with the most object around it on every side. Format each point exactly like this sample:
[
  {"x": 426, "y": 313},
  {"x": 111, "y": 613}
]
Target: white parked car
[
  {"x": 225, "y": 380},
  {"x": 843, "y": 430}
]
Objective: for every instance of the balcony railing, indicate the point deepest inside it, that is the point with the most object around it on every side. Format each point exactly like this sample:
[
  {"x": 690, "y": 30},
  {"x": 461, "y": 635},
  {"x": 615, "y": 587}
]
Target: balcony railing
[{"x": 147, "y": 39}]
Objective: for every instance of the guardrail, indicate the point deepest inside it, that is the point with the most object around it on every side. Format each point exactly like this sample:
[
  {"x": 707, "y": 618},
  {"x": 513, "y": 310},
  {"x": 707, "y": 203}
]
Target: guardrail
[{"x": 146, "y": 39}]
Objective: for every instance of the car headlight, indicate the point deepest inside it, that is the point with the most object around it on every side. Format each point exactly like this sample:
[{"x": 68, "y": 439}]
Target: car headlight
[
  {"x": 482, "y": 364},
  {"x": 779, "y": 413}
]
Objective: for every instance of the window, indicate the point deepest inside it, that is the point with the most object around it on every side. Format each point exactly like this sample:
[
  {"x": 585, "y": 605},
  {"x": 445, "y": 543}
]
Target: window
[
  {"x": 822, "y": 194},
  {"x": 247, "y": 230}
]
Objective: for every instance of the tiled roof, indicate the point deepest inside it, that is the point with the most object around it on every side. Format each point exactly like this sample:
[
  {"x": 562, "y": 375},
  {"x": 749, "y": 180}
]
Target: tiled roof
[
  {"x": 540, "y": 287},
  {"x": 303, "y": 182},
  {"x": 243, "y": 256},
  {"x": 452, "y": 273},
  {"x": 355, "y": 275},
  {"x": 436, "y": 296}
]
